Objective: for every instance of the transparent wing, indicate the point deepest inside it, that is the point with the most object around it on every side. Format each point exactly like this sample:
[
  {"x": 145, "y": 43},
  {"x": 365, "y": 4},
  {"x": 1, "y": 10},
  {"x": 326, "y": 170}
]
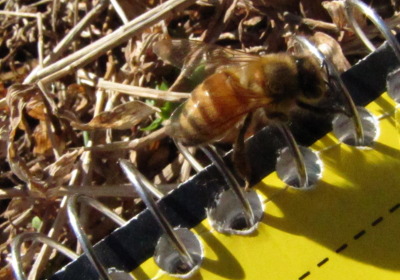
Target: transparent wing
[{"x": 190, "y": 55}]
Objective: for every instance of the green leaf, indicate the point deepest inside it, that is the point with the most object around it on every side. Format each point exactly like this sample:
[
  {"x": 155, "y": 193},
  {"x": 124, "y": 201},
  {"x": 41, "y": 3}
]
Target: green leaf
[
  {"x": 167, "y": 109},
  {"x": 86, "y": 138},
  {"x": 36, "y": 223},
  {"x": 153, "y": 126},
  {"x": 150, "y": 102},
  {"x": 163, "y": 86}
]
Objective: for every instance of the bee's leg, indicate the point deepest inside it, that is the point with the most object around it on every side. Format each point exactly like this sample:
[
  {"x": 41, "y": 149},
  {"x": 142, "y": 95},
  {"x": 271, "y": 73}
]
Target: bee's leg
[
  {"x": 239, "y": 155},
  {"x": 331, "y": 79},
  {"x": 323, "y": 110},
  {"x": 324, "y": 66}
]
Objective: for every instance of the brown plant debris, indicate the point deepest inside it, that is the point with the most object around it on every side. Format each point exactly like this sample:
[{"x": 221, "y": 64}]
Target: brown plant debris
[{"x": 81, "y": 88}]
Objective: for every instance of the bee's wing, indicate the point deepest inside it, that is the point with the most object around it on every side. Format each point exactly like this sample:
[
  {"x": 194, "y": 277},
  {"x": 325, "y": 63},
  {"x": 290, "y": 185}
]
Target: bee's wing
[{"x": 189, "y": 55}]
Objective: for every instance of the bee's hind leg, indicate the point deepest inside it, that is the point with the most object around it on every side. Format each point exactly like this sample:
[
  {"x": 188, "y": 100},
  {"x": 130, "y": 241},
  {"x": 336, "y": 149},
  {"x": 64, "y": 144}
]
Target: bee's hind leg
[
  {"x": 239, "y": 156},
  {"x": 330, "y": 81},
  {"x": 323, "y": 110}
]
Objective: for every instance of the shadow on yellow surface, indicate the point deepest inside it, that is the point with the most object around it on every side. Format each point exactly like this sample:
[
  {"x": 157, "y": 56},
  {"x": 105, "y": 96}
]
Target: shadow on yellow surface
[
  {"x": 354, "y": 205},
  {"x": 346, "y": 227},
  {"x": 223, "y": 258}
]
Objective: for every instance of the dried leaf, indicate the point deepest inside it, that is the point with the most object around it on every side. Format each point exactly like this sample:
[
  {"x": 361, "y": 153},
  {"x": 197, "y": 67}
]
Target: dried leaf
[
  {"x": 43, "y": 144},
  {"x": 280, "y": 5},
  {"x": 17, "y": 98},
  {"x": 17, "y": 206},
  {"x": 3, "y": 90},
  {"x": 76, "y": 98},
  {"x": 6, "y": 273},
  {"x": 75, "y": 89},
  {"x": 4, "y": 133},
  {"x": 35, "y": 108},
  {"x": 123, "y": 116},
  {"x": 336, "y": 11},
  {"x": 313, "y": 9},
  {"x": 331, "y": 49},
  {"x": 63, "y": 166}
]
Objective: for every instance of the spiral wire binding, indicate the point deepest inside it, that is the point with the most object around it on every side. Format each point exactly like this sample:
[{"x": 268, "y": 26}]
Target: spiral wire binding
[
  {"x": 80, "y": 234},
  {"x": 144, "y": 187},
  {"x": 376, "y": 20},
  {"x": 248, "y": 208},
  {"x": 174, "y": 239},
  {"x": 188, "y": 156},
  {"x": 232, "y": 183},
  {"x": 350, "y": 5},
  {"x": 296, "y": 153},
  {"x": 16, "y": 261}
]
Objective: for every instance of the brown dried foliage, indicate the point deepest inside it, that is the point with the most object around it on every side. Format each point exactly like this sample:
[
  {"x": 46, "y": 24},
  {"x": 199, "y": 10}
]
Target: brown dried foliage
[{"x": 62, "y": 134}]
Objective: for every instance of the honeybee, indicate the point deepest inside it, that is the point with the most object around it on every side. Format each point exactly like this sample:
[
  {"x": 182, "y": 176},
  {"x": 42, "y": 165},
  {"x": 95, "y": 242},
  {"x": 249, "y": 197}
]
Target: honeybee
[{"x": 241, "y": 83}]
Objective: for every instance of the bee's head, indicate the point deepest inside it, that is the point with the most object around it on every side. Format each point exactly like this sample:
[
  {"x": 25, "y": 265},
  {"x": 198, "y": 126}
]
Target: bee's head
[{"x": 311, "y": 80}]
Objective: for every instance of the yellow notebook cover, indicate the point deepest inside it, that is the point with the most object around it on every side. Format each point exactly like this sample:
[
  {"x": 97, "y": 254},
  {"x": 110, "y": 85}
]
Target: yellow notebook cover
[{"x": 346, "y": 227}]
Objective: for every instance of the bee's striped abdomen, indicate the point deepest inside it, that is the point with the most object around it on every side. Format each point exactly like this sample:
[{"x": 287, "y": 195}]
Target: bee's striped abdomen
[{"x": 213, "y": 108}]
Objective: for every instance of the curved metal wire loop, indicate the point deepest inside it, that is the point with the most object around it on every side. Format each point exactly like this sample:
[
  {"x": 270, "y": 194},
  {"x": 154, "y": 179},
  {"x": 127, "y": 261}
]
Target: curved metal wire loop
[
  {"x": 338, "y": 83},
  {"x": 149, "y": 186},
  {"x": 81, "y": 236},
  {"x": 227, "y": 174},
  {"x": 296, "y": 153},
  {"x": 16, "y": 261},
  {"x": 188, "y": 156},
  {"x": 233, "y": 184},
  {"x": 135, "y": 177},
  {"x": 375, "y": 19}
]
